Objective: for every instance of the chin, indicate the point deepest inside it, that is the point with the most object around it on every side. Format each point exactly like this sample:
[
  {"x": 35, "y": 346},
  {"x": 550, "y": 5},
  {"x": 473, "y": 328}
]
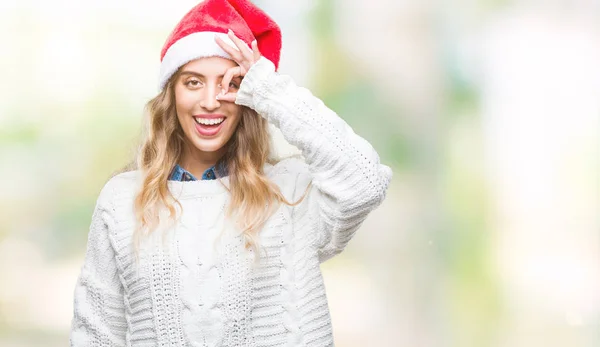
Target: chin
[{"x": 208, "y": 145}]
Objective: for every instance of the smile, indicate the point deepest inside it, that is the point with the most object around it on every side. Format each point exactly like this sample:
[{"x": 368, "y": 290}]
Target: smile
[
  {"x": 209, "y": 126},
  {"x": 209, "y": 121}
]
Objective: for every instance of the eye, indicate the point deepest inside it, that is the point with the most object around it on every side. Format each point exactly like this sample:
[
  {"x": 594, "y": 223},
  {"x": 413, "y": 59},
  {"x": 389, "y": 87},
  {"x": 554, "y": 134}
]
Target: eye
[
  {"x": 233, "y": 85},
  {"x": 193, "y": 83}
]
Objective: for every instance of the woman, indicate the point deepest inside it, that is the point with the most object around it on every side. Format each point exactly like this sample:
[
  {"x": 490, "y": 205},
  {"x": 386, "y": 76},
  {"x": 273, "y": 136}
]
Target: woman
[{"x": 208, "y": 242}]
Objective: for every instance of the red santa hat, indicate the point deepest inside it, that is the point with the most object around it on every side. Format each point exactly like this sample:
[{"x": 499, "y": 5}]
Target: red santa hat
[{"x": 194, "y": 35}]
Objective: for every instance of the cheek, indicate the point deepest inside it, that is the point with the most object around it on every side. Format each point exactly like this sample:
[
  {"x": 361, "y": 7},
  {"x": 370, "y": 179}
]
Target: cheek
[
  {"x": 235, "y": 115},
  {"x": 184, "y": 101}
]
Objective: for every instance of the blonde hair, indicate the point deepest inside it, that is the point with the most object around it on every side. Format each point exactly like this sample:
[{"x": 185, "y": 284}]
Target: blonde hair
[{"x": 254, "y": 198}]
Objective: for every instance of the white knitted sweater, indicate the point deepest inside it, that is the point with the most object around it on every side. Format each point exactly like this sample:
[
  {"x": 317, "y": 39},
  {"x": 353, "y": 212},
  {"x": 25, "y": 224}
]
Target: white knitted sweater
[{"x": 199, "y": 290}]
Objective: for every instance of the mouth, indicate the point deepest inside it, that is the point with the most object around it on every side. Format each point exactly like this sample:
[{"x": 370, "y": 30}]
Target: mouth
[{"x": 209, "y": 125}]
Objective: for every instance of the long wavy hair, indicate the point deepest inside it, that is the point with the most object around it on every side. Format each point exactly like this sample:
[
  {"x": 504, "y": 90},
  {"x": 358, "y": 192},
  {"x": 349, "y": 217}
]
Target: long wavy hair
[{"x": 254, "y": 198}]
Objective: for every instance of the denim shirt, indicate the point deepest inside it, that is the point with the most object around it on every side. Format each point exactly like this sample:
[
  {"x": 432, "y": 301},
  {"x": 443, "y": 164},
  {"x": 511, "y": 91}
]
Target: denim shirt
[{"x": 181, "y": 174}]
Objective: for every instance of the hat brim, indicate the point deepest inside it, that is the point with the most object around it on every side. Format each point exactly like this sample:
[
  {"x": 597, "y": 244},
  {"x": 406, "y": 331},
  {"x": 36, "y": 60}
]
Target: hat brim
[{"x": 191, "y": 47}]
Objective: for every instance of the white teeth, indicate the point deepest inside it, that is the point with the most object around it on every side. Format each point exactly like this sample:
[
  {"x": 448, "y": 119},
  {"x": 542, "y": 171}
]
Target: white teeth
[{"x": 207, "y": 121}]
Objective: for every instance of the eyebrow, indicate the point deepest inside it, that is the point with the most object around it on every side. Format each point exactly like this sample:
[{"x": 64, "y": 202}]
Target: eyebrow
[{"x": 187, "y": 72}]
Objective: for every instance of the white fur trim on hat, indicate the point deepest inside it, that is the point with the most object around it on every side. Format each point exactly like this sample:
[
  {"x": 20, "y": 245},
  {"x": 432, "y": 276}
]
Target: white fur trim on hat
[{"x": 186, "y": 49}]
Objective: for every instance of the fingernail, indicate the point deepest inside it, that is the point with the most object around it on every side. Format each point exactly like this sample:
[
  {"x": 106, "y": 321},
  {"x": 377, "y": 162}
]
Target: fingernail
[
  {"x": 217, "y": 97},
  {"x": 254, "y": 42},
  {"x": 230, "y": 31}
]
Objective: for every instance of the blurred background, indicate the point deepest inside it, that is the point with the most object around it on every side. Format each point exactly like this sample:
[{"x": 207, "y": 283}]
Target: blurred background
[{"x": 488, "y": 112}]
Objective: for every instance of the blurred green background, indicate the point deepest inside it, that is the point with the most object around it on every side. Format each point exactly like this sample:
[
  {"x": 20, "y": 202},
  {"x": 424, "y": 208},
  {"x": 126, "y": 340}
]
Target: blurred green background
[{"x": 488, "y": 112}]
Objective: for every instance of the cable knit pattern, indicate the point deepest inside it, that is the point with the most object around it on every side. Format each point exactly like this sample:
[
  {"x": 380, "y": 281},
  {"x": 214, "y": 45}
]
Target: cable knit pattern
[
  {"x": 345, "y": 168},
  {"x": 99, "y": 310},
  {"x": 200, "y": 278},
  {"x": 195, "y": 285}
]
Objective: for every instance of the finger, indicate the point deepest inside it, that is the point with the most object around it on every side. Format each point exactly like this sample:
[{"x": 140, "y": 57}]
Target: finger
[
  {"x": 228, "y": 76},
  {"x": 241, "y": 45},
  {"x": 233, "y": 52},
  {"x": 230, "y": 97},
  {"x": 255, "y": 50}
]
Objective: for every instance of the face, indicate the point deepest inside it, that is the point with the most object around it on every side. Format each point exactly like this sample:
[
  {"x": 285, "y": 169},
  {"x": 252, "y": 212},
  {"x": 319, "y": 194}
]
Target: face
[{"x": 207, "y": 122}]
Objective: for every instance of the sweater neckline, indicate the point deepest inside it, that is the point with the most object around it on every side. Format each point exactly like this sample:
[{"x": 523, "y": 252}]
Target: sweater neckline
[
  {"x": 186, "y": 189},
  {"x": 190, "y": 189}
]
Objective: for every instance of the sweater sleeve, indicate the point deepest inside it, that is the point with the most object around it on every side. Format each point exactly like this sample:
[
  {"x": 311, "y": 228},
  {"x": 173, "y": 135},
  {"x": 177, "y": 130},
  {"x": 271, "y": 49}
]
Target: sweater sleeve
[
  {"x": 347, "y": 177},
  {"x": 98, "y": 309}
]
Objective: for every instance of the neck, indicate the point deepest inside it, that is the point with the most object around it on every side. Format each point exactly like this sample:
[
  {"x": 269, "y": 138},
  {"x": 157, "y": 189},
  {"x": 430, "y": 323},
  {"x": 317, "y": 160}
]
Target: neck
[{"x": 196, "y": 161}]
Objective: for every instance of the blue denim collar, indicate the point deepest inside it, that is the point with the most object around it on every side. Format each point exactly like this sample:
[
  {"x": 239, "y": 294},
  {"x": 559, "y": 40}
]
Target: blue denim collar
[{"x": 181, "y": 174}]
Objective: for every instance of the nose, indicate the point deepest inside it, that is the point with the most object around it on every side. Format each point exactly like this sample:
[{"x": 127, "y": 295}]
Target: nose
[{"x": 208, "y": 97}]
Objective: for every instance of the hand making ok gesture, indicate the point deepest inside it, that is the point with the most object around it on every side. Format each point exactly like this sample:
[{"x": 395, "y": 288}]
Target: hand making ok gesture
[{"x": 243, "y": 56}]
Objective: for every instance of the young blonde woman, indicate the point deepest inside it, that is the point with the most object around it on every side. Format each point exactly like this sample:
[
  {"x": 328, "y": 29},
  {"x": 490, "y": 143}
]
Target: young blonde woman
[{"x": 209, "y": 242}]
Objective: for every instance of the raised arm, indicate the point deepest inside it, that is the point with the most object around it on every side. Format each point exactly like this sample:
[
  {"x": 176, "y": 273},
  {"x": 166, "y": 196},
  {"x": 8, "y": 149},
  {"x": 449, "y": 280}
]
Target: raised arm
[
  {"x": 98, "y": 308},
  {"x": 348, "y": 178}
]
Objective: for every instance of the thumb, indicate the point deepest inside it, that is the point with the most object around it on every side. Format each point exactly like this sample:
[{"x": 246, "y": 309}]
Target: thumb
[{"x": 229, "y": 97}]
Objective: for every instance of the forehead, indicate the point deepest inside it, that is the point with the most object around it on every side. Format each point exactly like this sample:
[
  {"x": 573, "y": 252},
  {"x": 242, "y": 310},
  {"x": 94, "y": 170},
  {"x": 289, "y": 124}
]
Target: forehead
[{"x": 209, "y": 66}]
